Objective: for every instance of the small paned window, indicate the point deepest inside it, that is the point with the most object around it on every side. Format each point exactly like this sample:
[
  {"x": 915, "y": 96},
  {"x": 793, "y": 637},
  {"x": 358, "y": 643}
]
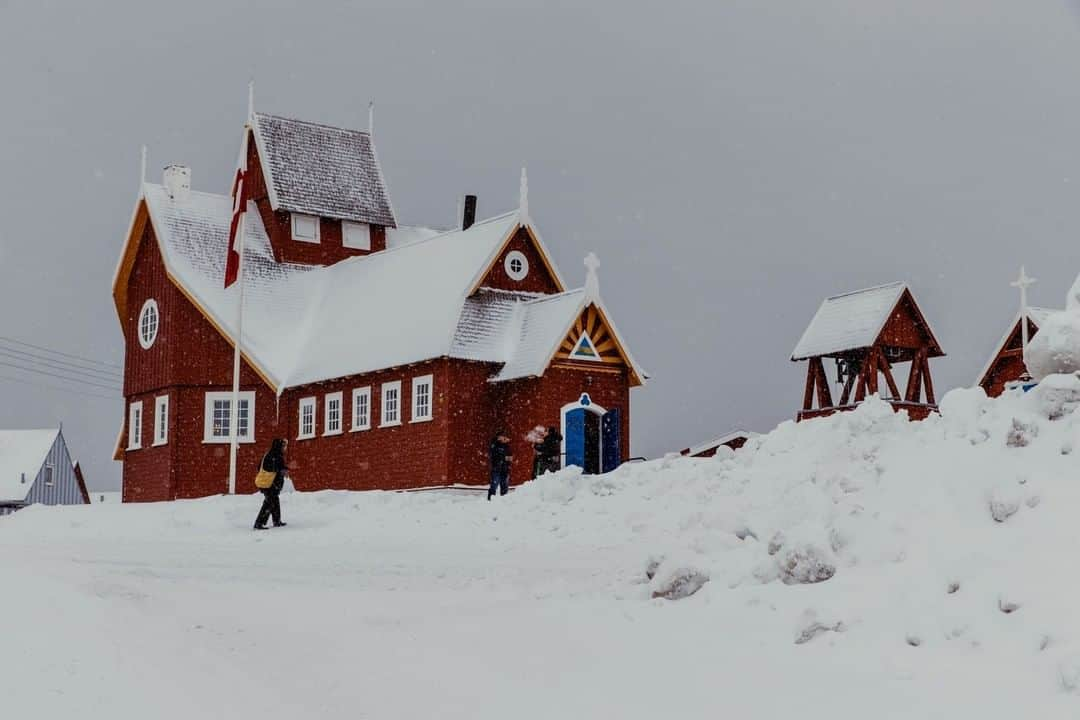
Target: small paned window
[
  {"x": 391, "y": 403},
  {"x": 218, "y": 417},
  {"x": 361, "y": 419},
  {"x": 305, "y": 228},
  {"x": 161, "y": 420},
  {"x": 307, "y": 419},
  {"x": 421, "y": 398},
  {"x": 516, "y": 265},
  {"x": 356, "y": 235},
  {"x": 332, "y": 421}
]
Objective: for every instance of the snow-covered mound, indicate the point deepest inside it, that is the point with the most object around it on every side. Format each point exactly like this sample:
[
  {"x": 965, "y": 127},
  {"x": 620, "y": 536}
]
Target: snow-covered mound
[
  {"x": 1055, "y": 349},
  {"x": 848, "y": 567}
]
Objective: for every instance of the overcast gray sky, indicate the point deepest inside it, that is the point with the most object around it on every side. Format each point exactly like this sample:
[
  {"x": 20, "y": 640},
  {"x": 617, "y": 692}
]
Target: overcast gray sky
[{"x": 731, "y": 163}]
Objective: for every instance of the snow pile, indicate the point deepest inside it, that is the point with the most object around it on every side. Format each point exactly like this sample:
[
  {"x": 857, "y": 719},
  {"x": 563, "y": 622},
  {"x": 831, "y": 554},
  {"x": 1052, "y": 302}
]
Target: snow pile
[
  {"x": 859, "y": 565},
  {"x": 1055, "y": 349}
]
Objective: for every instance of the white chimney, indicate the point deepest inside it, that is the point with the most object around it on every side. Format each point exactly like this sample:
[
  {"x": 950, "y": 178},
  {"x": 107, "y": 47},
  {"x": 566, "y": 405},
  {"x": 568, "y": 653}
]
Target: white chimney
[{"x": 177, "y": 182}]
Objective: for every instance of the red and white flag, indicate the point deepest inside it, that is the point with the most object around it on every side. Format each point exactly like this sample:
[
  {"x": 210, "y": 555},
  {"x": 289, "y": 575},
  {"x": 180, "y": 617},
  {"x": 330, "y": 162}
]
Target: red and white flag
[{"x": 239, "y": 196}]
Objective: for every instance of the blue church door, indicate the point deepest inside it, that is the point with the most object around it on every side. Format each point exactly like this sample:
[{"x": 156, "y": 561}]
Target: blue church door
[{"x": 593, "y": 439}]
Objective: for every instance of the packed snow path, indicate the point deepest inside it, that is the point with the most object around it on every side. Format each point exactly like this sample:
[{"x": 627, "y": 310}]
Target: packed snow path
[{"x": 857, "y": 566}]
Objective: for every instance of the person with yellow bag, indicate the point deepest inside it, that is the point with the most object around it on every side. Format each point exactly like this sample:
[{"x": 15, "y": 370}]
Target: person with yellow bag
[{"x": 270, "y": 480}]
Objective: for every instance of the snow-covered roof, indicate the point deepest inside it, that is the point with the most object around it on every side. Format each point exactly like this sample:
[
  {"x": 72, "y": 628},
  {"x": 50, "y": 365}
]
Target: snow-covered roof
[
  {"x": 22, "y": 453},
  {"x": 395, "y": 307},
  {"x": 848, "y": 322},
  {"x": 722, "y": 440},
  {"x": 322, "y": 170},
  {"x": 1037, "y": 316}
]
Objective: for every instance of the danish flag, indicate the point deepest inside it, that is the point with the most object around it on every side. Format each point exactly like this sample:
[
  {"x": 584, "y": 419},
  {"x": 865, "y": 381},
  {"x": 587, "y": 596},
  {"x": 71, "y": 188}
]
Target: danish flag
[{"x": 239, "y": 196}]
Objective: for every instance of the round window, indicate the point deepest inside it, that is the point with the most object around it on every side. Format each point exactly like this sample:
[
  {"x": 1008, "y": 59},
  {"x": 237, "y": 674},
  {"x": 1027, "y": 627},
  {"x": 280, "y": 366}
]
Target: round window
[
  {"x": 148, "y": 323},
  {"x": 517, "y": 265}
]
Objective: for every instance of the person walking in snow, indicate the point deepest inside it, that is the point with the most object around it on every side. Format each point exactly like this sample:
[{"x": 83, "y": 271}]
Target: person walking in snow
[
  {"x": 273, "y": 461},
  {"x": 535, "y": 437},
  {"x": 500, "y": 457},
  {"x": 549, "y": 451}
]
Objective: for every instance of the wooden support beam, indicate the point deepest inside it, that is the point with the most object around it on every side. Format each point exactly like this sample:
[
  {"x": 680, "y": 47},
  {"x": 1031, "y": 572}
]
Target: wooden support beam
[
  {"x": 849, "y": 383},
  {"x": 872, "y": 372},
  {"x": 861, "y": 383},
  {"x": 824, "y": 397},
  {"x": 808, "y": 395},
  {"x": 927, "y": 380},
  {"x": 886, "y": 369},
  {"x": 914, "y": 383}
]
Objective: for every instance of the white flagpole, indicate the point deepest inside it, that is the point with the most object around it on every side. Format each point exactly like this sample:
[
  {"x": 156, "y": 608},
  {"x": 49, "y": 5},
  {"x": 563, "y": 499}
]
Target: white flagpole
[{"x": 234, "y": 410}]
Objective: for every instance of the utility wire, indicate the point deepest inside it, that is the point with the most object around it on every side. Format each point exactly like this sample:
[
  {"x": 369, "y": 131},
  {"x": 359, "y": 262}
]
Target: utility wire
[
  {"x": 57, "y": 352},
  {"x": 58, "y": 365},
  {"x": 62, "y": 377},
  {"x": 57, "y": 387}
]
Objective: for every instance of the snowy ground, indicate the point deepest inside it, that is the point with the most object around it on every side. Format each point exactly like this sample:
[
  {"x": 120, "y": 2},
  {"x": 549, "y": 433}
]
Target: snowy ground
[{"x": 440, "y": 604}]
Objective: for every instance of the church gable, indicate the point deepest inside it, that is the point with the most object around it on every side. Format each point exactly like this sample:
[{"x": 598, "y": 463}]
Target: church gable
[
  {"x": 522, "y": 266},
  {"x": 591, "y": 340},
  {"x": 907, "y": 328}
]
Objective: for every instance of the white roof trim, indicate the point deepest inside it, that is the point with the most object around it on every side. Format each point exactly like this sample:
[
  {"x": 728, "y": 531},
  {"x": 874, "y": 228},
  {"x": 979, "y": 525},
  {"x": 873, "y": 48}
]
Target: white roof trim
[{"x": 260, "y": 149}]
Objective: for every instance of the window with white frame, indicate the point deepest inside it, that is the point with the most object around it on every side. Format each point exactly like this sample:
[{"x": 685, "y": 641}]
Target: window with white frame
[
  {"x": 332, "y": 412},
  {"x": 218, "y": 417},
  {"x": 135, "y": 426},
  {"x": 391, "y": 403},
  {"x": 361, "y": 408},
  {"x": 149, "y": 321},
  {"x": 305, "y": 228},
  {"x": 306, "y": 423},
  {"x": 161, "y": 420},
  {"x": 516, "y": 265},
  {"x": 356, "y": 235},
  {"x": 50, "y": 479},
  {"x": 421, "y": 398}
]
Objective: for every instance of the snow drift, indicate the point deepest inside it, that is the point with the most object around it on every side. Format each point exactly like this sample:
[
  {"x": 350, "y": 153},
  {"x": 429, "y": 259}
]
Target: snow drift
[{"x": 857, "y": 565}]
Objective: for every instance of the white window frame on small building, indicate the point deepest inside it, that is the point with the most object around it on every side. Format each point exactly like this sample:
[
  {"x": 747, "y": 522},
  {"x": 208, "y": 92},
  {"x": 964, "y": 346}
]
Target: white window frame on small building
[
  {"x": 300, "y": 236},
  {"x": 333, "y": 414},
  {"x": 215, "y": 432},
  {"x": 49, "y": 475},
  {"x": 135, "y": 425},
  {"x": 161, "y": 420},
  {"x": 419, "y": 414},
  {"x": 386, "y": 419},
  {"x": 356, "y": 236},
  {"x": 308, "y": 404},
  {"x": 361, "y": 420}
]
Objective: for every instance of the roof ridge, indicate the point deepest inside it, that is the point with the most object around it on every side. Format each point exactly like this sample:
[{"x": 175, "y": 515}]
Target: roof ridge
[
  {"x": 312, "y": 123},
  {"x": 896, "y": 283}
]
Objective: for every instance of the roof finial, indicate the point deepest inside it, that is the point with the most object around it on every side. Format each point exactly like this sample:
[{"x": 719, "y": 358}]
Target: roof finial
[
  {"x": 142, "y": 168},
  {"x": 251, "y": 100},
  {"x": 523, "y": 197},
  {"x": 592, "y": 280},
  {"x": 1023, "y": 283},
  {"x": 371, "y": 118}
]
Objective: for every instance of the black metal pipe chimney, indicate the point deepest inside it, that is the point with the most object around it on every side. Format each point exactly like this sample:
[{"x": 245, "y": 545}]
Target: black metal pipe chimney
[{"x": 469, "y": 216}]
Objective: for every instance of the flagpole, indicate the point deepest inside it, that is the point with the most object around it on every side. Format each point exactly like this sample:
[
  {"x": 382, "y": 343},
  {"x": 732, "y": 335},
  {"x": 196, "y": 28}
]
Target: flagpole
[{"x": 234, "y": 412}]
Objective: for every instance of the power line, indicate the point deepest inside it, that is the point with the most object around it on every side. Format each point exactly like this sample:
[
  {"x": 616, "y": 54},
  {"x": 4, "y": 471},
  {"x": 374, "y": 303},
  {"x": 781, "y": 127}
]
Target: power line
[
  {"x": 58, "y": 387},
  {"x": 58, "y": 364},
  {"x": 99, "y": 369},
  {"x": 58, "y": 352},
  {"x": 62, "y": 377}
]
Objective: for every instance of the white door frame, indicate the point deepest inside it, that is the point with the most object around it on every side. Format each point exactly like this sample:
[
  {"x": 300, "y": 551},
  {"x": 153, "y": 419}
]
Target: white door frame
[{"x": 583, "y": 403}]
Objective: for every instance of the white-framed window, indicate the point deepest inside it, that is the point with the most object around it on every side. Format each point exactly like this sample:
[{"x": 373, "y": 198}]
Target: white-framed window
[
  {"x": 217, "y": 417},
  {"x": 516, "y": 265},
  {"x": 50, "y": 475},
  {"x": 361, "y": 408},
  {"x": 306, "y": 422},
  {"x": 422, "y": 400},
  {"x": 149, "y": 322},
  {"x": 161, "y": 420},
  {"x": 391, "y": 404},
  {"x": 332, "y": 414},
  {"x": 135, "y": 426},
  {"x": 305, "y": 228},
  {"x": 355, "y": 235}
]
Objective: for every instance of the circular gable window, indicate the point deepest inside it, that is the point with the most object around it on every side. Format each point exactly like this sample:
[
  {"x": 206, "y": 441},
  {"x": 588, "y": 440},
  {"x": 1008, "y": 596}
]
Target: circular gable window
[
  {"x": 517, "y": 265},
  {"x": 148, "y": 323}
]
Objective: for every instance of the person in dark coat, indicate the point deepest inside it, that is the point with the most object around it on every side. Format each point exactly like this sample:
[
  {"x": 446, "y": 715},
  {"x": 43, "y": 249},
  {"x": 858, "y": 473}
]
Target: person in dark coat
[
  {"x": 500, "y": 457},
  {"x": 273, "y": 461},
  {"x": 549, "y": 452}
]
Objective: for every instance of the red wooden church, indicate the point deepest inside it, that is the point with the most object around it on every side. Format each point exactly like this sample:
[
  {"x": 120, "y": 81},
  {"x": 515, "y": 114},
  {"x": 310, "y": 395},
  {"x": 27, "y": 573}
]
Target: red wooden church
[
  {"x": 1006, "y": 363},
  {"x": 387, "y": 355},
  {"x": 866, "y": 333}
]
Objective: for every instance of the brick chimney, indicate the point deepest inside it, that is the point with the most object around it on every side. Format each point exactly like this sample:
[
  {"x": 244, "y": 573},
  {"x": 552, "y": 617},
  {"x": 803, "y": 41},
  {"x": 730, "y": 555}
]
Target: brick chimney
[
  {"x": 469, "y": 216},
  {"x": 177, "y": 182}
]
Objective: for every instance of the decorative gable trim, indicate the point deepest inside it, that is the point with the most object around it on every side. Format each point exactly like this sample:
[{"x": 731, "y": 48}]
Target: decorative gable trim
[
  {"x": 591, "y": 340},
  {"x": 585, "y": 349},
  {"x": 538, "y": 244}
]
